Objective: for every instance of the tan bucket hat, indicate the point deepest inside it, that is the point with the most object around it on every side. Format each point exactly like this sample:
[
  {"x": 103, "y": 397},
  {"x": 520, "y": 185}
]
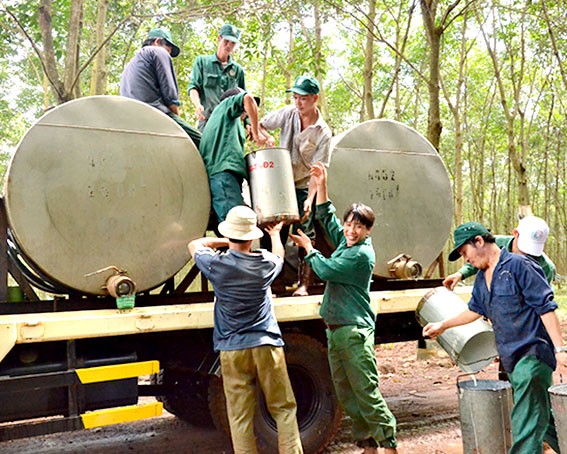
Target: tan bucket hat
[{"x": 240, "y": 224}]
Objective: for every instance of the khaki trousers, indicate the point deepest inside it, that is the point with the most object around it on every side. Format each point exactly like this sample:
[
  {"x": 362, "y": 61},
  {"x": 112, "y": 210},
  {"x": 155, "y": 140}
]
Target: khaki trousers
[{"x": 241, "y": 370}]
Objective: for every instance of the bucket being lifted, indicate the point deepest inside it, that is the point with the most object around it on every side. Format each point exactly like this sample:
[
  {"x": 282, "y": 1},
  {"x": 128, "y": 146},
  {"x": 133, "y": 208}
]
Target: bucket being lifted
[
  {"x": 271, "y": 186},
  {"x": 484, "y": 409},
  {"x": 472, "y": 347},
  {"x": 558, "y": 395}
]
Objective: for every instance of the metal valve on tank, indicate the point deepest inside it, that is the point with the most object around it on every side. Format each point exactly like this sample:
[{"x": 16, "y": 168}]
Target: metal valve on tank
[
  {"x": 120, "y": 285},
  {"x": 403, "y": 267}
]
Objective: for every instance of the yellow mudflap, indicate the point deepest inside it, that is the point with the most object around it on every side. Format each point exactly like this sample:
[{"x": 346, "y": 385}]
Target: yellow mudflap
[
  {"x": 117, "y": 371},
  {"x": 119, "y": 415}
]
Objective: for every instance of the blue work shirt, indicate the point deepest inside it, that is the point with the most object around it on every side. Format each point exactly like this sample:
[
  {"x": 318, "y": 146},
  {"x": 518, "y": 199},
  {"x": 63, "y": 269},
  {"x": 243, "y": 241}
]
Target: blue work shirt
[
  {"x": 519, "y": 295},
  {"x": 149, "y": 77},
  {"x": 244, "y": 312}
]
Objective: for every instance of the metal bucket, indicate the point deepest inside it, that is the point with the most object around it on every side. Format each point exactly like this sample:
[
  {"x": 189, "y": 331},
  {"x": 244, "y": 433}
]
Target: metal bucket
[
  {"x": 472, "y": 347},
  {"x": 558, "y": 395},
  {"x": 484, "y": 409},
  {"x": 271, "y": 186}
]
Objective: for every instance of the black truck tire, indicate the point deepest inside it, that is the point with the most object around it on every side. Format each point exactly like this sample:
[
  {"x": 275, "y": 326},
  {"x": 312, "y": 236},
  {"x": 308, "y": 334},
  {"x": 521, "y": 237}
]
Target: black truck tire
[
  {"x": 188, "y": 395},
  {"x": 318, "y": 412}
]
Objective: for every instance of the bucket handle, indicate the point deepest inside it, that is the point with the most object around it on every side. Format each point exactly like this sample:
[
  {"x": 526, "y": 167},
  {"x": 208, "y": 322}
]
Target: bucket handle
[{"x": 464, "y": 375}]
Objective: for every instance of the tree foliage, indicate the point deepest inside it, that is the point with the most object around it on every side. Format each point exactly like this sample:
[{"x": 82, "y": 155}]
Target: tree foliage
[{"x": 486, "y": 82}]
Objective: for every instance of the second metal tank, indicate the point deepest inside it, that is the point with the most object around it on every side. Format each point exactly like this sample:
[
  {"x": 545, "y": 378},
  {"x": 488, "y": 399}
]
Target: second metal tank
[{"x": 396, "y": 171}]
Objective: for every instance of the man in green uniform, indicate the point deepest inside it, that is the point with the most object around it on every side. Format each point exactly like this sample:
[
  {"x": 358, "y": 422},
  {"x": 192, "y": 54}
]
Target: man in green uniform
[
  {"x": 528, "y": 239},
  {"x": 222, "y": 148},
  {"x": 349, "y": 317},
  {"x": 214, "y": 74}
]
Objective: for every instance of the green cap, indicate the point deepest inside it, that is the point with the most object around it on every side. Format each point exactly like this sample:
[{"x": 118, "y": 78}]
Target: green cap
[
  {"x": 464, "y": 233},
  {"x": 305, "y": 85},
  {"x": 230, "y": 32},
  {"x": 164, "y": 34}
]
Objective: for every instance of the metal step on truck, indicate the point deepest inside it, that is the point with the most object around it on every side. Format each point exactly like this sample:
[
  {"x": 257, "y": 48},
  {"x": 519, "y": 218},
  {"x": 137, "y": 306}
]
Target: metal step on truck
[{"x": 97, "y": 288}]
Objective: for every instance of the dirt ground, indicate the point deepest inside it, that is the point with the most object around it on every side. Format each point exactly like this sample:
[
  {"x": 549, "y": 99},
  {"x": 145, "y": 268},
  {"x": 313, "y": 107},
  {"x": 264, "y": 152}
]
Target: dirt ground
[{"x": 419, "y": 386}]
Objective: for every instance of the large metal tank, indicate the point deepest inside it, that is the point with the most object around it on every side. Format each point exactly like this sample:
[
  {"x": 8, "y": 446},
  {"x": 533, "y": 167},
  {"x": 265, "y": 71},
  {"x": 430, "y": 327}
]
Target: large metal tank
[
  {"x": 396, "y": 171},
  {"x": 106, "y": 183}
]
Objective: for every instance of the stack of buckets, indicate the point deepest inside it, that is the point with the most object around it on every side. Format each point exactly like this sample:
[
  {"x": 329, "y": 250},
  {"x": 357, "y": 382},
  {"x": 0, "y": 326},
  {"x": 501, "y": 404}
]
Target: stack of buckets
[{"x": 484, "y": 405}]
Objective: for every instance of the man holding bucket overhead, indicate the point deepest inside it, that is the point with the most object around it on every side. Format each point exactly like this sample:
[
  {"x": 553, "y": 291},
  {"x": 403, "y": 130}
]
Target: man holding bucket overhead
[
  {"x": 246, "y": 332},
  {"x": 349, "y": 317},
  {"x": 512, "y": 292},
  {"x": 307, "y": 136}
]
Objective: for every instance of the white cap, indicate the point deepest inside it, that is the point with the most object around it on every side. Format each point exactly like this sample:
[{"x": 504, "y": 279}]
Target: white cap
[{"x": 532, "y": 235}]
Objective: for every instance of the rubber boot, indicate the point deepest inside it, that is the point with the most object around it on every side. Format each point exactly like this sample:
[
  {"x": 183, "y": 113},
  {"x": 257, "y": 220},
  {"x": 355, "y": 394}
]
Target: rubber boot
[{"x": 305, "y": 274}]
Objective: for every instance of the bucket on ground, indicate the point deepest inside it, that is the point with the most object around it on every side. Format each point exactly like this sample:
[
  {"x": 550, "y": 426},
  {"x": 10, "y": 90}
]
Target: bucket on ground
[
  {"x": 484, "y": 409},
  {"x": 558, "y": 395},
  {"x": 271, "y": 186},
  {"x": 472, "y": 347}
]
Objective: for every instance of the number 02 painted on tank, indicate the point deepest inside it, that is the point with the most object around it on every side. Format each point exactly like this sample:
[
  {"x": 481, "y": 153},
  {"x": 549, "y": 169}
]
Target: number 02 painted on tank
[{"x": 261, "y": 165}]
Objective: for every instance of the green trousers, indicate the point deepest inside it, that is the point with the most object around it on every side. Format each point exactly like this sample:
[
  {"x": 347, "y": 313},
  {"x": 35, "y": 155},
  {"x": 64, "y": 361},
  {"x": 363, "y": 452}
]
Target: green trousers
[
  {"x": 192, "y": 132},
  {"x": 355, "y": 375},
  {"x": 226, "y": 193},
  {"x": 241, "y": 370},
  {"x": 532, "y": 418}
]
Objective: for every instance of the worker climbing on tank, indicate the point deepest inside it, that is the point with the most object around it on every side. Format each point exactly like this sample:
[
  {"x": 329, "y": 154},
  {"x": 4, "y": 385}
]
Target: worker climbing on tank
[
  {"x": 222, "y": 148},
  {"x": 307, "y": 137},
  {"x": 149, "y": 77}
]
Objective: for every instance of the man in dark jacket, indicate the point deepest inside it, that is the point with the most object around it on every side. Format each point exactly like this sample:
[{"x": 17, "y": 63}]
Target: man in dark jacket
[{"x": 149, "y": 77}]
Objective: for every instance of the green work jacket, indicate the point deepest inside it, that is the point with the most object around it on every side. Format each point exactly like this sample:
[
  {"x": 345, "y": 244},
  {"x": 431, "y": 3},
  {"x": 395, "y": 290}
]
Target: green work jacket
[
  {"x": 211, "y": 79},
  {"x": 347, "y": 272},
  {"x": 222, "y": 143}
]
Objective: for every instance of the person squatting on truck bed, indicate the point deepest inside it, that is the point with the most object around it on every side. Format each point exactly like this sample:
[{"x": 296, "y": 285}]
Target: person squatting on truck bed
[
  {"x": 512, "y": 292},
  {"x": 149, "y": 77},
  {"x": 349, "y": 317},
  {"x": 245, "y": 328}
]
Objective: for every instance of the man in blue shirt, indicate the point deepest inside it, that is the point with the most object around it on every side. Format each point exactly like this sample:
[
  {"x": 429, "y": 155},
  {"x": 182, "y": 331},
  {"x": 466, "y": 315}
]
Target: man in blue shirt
[
  {"x": 246, "y": 331},
  {"x": 149, "y": 77},
  {"x": 512, "y": 292},
  {"x": 528, "y": 238}
]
